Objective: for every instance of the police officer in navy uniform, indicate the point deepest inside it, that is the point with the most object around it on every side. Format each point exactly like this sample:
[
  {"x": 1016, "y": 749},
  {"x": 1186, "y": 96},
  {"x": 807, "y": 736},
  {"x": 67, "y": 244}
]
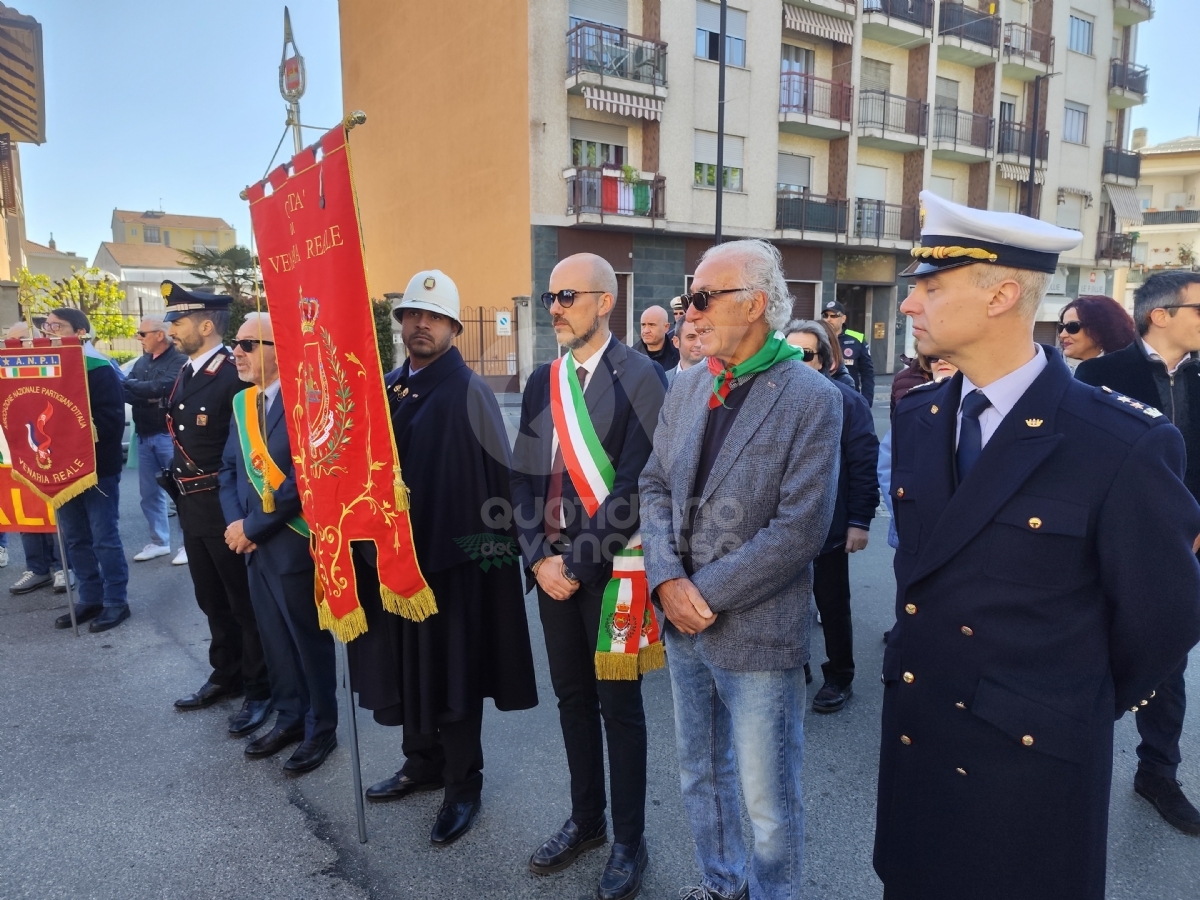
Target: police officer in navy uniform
[
  {"x": 198, "y": 416},
  {"x": 1036, "y": 599},
  {"x": 855, "y": 355}
]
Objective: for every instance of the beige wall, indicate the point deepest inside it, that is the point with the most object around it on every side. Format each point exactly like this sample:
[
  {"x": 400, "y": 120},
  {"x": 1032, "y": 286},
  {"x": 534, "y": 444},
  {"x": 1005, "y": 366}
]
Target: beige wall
[{"x": 442, "y": 165}]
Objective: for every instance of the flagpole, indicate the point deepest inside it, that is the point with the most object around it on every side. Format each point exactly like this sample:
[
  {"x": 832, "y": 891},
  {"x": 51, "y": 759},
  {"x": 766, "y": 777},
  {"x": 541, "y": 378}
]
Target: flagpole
[
  {"x": 354, "y": 758},
  {"x": 62, "y": 558}
]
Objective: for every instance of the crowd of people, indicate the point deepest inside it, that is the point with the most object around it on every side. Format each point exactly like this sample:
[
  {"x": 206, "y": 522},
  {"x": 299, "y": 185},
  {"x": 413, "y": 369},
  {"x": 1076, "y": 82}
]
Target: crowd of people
[{"x": 690, "y": 500}]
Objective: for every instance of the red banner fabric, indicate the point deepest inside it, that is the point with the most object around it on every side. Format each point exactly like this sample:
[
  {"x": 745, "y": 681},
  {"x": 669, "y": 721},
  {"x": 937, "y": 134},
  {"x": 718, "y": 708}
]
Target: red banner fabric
[
  {"x": 20, "y": 508},
  {"x": 331, "y": 377},
  {"x": 46, "y": 417}
]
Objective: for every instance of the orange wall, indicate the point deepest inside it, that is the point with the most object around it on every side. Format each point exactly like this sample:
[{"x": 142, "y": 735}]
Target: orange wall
[{"x": 442, "y": 164}]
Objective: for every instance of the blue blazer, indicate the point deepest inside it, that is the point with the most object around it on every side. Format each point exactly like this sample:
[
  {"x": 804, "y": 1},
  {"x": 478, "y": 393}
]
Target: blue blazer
[{"x": 283, "y": 550}]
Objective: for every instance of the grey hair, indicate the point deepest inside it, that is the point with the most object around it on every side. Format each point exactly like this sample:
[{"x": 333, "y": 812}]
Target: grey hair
[
  {"x": 817, "y": 330},
  {"x": 762, "y": 270},
  {"x": 1033, "y": 284}
]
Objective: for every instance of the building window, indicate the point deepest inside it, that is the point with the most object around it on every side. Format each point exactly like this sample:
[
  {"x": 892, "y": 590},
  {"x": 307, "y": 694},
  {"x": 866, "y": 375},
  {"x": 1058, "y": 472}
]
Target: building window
[
  {"x": 133, "y": 231},
  {"x": 942, "y": 186},
  {"x": 1002, "y": 199},
  {"x": 795, "y": 172},
  {"x": 151, "y": 235},
  {"x": 706, "y": 161},
  {"x": 1070, "y": 212},
  {"x": 598, "y": 144},
  {"x": 1080, "y": 37},
  {"x": 946, "y": 94},
  {"x": 167, "y": 238},
  {"x": 708, "y": 33},
  {"x": 876, "y": 75},
  {"x": 1140, "y": 253},
  {"x": 1075, "y": 121},
  {"x": 613, "y": 13}
]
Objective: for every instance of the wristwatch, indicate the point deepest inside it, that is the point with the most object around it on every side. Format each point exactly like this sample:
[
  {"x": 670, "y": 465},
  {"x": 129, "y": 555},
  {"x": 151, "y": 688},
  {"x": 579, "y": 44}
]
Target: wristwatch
[{"x": 569, "y": 575}]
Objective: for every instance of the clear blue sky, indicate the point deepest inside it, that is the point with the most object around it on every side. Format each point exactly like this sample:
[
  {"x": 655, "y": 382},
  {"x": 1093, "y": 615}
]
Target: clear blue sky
[
  {"x": 169, "y": 99},
  {"x": 179, "y": 102}
]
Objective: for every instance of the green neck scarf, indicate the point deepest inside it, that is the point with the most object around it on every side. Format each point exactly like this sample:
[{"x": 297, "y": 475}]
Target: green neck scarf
[{"x": 773, "y": 351}]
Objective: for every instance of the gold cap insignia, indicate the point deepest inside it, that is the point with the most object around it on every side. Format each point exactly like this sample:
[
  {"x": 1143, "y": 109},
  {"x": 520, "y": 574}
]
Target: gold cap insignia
[
  {"x": 1034, "y": 423},
  {"x": 166, "y": 291},
  {"x": 429, "y": 283}
]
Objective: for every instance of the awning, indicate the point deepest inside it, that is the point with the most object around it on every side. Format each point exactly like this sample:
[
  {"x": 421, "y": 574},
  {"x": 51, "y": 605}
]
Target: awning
[
  {"x": 22, "y": 86},
  {"x": 622, "y": 104},
  {"x": 815, "y": 23},
  {"x": 1013, "y": 172},
  {"x": 1125, "y": 203},
  {"x": 1078, "y": 192}
]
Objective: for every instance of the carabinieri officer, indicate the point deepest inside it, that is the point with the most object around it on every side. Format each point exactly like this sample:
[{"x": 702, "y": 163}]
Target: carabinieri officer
[{"x": 1045, "y": 578}]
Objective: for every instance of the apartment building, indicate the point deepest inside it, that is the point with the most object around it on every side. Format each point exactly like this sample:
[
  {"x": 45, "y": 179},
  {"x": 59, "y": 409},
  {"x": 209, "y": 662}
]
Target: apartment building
[
  {"x": 515, "y": 135},
  {"x": 170, "y": 230}
]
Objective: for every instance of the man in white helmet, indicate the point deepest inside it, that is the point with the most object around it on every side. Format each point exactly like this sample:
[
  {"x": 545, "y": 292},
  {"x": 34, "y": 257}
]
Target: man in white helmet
[{"x": 432, "y": 677}]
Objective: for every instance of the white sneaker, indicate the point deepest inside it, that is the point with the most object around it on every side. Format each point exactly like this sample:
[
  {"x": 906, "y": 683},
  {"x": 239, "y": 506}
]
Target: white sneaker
[
  {"x": 180, "y": 557},
  {"x": 3, "y": 557},
  {"x": 151, "y": 551},
  {"x": 60, "y": 582}
]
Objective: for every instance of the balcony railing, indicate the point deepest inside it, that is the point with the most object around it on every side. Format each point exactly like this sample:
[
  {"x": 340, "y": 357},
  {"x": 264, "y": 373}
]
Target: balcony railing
[
  {"x": 902, "y": 115},
  {"x": 1121, "y": 163},
  {"x": 811, "y": 96},
  {"x": 957, "y": 20},
  {"x": 1022, "y": 42},
  {"x": 1016, "y": 138},
  {"x": 803, "y": 211},
  {"x": 1172, "y": 217},
  {"x": 610, "y": 51},
  {"x": 606, "y": 192},
  {"x": 918, "y": 12},
  {"x": 875, "y": 220},
  {"x": 960, "y": 126},
  {"x": 1127, "y": 76},
  {"x": 1114, "y": 246}
]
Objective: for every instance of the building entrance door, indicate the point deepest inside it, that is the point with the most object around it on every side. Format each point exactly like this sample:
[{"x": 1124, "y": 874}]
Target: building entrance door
[{"x": 854, "y": 298}]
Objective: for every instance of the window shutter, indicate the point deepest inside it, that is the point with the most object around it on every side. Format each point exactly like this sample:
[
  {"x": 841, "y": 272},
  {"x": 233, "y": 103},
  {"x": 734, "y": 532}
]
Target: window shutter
[
  {"x": 600, "y": 132},
  {"x": 871, "y": 182},
  {"x": 606, "y": 12},
  {"x": 795, "y": 169},
  {"x": 946, "y": 96},
  {"x": 708, "y": 18},
  {"x": 876, "y": 75},
  {"x": 706, "y": 149}
]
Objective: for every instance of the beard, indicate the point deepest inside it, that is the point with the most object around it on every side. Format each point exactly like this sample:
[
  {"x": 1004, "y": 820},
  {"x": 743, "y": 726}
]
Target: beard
[
  {"x": 578, "y": 340},
  {"x": 190, "y": 344}
]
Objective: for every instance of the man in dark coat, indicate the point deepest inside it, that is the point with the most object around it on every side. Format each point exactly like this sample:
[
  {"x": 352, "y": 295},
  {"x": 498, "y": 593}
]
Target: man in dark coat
[
  {"x": 300, "y": 656},
  {"x": 1162, "y": 369},
  {"x": 855, "y": 355},
  {"x": 432, "y": 676},
  {"x": 1036, "y": 601},
  {"x": 198, "y": 413}
]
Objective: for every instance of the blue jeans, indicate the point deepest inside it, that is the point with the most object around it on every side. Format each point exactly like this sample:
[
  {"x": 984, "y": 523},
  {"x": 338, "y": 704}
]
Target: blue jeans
[
  {"x": 749, "y": 723},
  {"x": 154, "y": 453},
  {"x": 41, "y": 552},
  {"x": 89, "y": 528}
]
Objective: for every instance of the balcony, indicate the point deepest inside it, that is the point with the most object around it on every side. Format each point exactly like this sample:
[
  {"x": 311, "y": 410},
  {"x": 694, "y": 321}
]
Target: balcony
[
  {"x": 1115, "y": 248},
  {"x": 962, "y": 136},
  {"x": 842, "y": 9},
  {"x": 876, "y": 222},
  {"x": 1027, "y": 53},
  {"x": 1132, "y": 12},
  {"x": 900, "y": 22},
  {"x": 968, "y": 37},
  {"x": 890, "y": 122},
  {"x": 1121, "y": 166},
  {"x": 600, "y": 57},
  {"x": 593, "y": 193},
  {"x": 1172, "y": 217},
  {"x": 814, "y": 106},
  {"x": 811, "y": 213},
  {"x": 1126, "y": 84},
  {"x": 1014, "y": 140}
]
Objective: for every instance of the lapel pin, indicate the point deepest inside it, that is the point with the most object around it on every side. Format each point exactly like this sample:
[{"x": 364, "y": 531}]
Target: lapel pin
[
  {"x": 933, "y": 409},
  {"x": 1107, "y": 390},
  {"x": 771, "y": 383},
  {"x": 1034, "y": 423}
]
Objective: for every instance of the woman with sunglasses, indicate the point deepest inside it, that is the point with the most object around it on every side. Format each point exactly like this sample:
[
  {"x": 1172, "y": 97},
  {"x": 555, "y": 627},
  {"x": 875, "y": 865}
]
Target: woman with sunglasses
[{"x": 1091, "y": 326}]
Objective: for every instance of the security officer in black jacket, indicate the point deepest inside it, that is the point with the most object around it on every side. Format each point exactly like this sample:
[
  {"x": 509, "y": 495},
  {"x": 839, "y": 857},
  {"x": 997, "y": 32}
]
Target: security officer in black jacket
[
  {"x": 198, "y": 415},
  {"x": 855, "y": 355}
]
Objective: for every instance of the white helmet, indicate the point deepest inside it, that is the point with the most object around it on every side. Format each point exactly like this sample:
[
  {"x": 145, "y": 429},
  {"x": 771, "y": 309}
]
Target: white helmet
[{"x": 431, "y": 290}]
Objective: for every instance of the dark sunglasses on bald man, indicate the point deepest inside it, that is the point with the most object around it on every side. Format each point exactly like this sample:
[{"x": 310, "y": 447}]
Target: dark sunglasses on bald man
[
  {"x": 700, "y": 299},
  {"x": 248, "y": 344},
  {"x": 564, "y": 297}
]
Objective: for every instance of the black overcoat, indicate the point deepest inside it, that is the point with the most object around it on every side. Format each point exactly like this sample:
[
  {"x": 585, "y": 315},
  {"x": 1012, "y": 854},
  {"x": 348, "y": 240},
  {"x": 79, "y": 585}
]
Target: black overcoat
[{"x": 1054, "y": 588}]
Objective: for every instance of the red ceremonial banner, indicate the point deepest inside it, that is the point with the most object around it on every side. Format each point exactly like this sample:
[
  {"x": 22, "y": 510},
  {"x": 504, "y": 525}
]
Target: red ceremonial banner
[
  {"x": 331, "y": 377},
  {"x": 46, "y": 417},
  {"x": 20, "y": 508}
]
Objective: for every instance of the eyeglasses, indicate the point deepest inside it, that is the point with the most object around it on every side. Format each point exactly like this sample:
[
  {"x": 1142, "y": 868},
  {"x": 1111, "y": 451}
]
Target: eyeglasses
[
  {"x": 1181, "y": 306},
  {"x": 52, "y": 327},
  {"x": 248, "y": 344},
  {"x": 700, "y": 299},
  {"x": 1070, "y": 327},
  {"x": 830, "y": 314},
  {"x": 564, "y": 297},
  {"x": 808, "y": 355},
  {"x": 143, "y": 334}
]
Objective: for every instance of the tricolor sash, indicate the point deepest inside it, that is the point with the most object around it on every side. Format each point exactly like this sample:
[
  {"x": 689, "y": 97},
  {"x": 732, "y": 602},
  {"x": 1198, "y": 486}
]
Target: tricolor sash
[
  {"x": 629, "y": 643},
  {"x": 263, "y": 472}
]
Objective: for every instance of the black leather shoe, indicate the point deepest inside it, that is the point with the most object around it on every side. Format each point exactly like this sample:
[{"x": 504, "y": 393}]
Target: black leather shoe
[
  {"x": 453, "y": 821},
  {"x": 622, "y": 877},
  {"x": 82, "y": 614},
  {"x": 310, "y": 754},
  {"x": 275, "y": 740},
  {"x": 562, "y": 849},
  {"x": 1168, "y": 798},
  {"x": 208, "y": 694},
  {"x": 830, "y": 698},
  {"x": 110, "y": 618},
  {"x": 250, "y": 717},
  {"x": 400, "y": 786}
]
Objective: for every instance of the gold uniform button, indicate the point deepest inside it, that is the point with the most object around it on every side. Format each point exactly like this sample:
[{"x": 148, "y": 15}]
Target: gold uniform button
[
  {"x": 1027, "y": 740},
  {"x": 899, "y": 492},
  {"x": 961, "y": 705},
  {"x": 910, "y": 608},
  {"x": 961, "y": 771},
  {"x": 967, "y": 630},
  {"x": 1035, "y": 523},
  {"x": 905, "y": 740},
  {"x": 909, "y": 677}
]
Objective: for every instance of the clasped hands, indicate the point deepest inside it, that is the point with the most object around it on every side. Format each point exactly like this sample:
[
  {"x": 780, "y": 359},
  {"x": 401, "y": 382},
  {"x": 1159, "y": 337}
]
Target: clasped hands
[
  {"x": 236, "y": 538},
  {"x": 684, "y": 606}
]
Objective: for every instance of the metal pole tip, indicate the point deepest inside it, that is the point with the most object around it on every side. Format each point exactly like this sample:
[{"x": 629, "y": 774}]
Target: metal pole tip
[{"x": 358, "y": 117}]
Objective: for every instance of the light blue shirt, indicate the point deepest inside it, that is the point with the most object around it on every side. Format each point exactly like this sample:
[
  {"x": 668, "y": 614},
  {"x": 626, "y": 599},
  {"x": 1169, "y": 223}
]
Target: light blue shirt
[
  {"x": 1003, "y": 394},
  {"x": 270, "y": 392}
]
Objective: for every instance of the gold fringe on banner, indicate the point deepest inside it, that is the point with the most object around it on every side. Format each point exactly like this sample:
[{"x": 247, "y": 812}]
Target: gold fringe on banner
[
  {"x": 651, "y": 657},
  {"x": 417, "y": 608},
  {"x": 345, "y": 629},
  {"x": 402, "y": 503},
  {"x": 66, "y": 495},
  {"x": 616, "y": 666}
]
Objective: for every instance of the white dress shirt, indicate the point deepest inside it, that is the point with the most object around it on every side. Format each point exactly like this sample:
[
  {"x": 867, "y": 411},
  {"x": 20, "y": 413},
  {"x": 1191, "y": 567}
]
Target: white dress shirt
[
  {"x": 1153, "y": 355},
  {"x": 1003, "y": 393},
  {"x": 200, "y": 362}
]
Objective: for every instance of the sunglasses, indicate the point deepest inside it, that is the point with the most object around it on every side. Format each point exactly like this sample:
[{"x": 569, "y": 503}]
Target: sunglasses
[
  {"x": 808, "y": 355},
  {"x": 700, "y": 299},
  {"x": 248, "y": 344},
  {"x": 832, "y": 315},
  {"x": 143, "y": 334},
  {"x": 1070, "y": 327},
  {"x": 565, "y": 297}
]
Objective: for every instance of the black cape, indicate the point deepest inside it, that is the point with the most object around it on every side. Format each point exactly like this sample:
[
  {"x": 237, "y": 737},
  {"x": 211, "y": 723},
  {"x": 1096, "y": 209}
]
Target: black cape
[{"x": 455, "y": 457}]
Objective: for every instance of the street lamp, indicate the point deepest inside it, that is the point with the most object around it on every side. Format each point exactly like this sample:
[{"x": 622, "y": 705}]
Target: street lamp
[{"x": 1033, "y": 139}]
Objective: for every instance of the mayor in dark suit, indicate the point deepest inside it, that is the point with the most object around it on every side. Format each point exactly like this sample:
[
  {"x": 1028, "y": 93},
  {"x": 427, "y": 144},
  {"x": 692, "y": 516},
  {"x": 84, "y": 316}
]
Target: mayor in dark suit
[
  {"x": 569, "y": 555},
  {"x": 1161, "y": 369},
  {"x": 266, "y": 526},
  {"x": 1035, "y": 599}
]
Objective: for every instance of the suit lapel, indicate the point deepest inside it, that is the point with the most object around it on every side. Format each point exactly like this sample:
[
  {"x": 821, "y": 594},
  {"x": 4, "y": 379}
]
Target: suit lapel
[
  {"x": 690, "y": 433},
  {"x": 275, "y": 414}
]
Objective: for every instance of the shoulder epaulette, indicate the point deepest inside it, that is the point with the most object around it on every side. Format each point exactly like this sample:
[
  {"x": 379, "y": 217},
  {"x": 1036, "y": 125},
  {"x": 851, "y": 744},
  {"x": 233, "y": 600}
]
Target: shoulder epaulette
[
  {"x": 215, "y": 363},
  {"x": 1133, "y": 407}
]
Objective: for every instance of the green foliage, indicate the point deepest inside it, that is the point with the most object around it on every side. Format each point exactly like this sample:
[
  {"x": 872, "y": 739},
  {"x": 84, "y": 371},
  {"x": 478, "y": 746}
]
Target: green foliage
[
  {"x": 232, "y": 271},
  {"x": 123, "y": 356},
  {"x": 96, "y": 294},
  {"x": 383, "y": 333}
]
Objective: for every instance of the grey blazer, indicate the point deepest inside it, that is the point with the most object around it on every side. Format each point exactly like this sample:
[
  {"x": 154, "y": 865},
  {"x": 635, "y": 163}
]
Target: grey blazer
[{"x": 762, "y": 517}]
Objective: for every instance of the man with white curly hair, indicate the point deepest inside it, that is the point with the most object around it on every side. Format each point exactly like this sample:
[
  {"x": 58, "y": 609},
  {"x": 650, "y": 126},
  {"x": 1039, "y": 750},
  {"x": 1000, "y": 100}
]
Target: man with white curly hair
[{"x": 737, "y": 498}]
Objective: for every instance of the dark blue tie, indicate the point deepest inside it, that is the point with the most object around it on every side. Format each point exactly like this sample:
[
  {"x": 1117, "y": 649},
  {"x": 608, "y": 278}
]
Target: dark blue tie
[{"x": 970, "y": 434}]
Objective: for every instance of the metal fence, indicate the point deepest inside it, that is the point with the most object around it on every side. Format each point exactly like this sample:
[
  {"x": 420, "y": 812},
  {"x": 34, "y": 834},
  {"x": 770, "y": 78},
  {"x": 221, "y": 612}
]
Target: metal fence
[
  {"x": 803, "y": 211},
  {"x": 1029, "y": 45},
  {"x": 888, "y": 112},
  {"x": 960, "y": 126},
  {"x": 918, "y": 12},
  {"x": 484, "y": 349},
  {"x": 1127, "y": 76},
  {"x": 1171, "y": 217},
  {"x": 1016, "y": 138},
  {"x": 1121, "y": 163},
  {"x": 808, "y": 95},
  {"x": 610, "y": 51},
  {"x": 607, "y": 192},
  {"x": 958, "y": 20},
  {"x": 1114, "y": 246},
  {"x": 879, "y": 221}
]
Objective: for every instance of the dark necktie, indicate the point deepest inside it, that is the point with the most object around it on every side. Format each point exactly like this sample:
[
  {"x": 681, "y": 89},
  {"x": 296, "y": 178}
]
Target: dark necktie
[
  {"x": 970, "y": 435},
  {"x": 553, "y": 515}
]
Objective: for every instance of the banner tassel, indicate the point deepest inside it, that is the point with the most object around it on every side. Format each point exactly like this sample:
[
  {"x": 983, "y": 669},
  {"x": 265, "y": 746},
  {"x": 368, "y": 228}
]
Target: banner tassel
[
  {"x": 268, "y": 498},
  {"x": 402, "y": 503},
  {"x": 651, "y": 657},
  {"x": 417, "y": 608},
  {"x": 616, "y": 666}
]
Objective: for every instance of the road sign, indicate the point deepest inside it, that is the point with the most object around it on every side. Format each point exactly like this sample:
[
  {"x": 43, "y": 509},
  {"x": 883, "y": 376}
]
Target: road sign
[{"x": 503, "y": 323}]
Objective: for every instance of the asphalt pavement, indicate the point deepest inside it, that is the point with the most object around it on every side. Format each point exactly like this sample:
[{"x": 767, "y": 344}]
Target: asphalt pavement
[{"x": 107, "y": 792}]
